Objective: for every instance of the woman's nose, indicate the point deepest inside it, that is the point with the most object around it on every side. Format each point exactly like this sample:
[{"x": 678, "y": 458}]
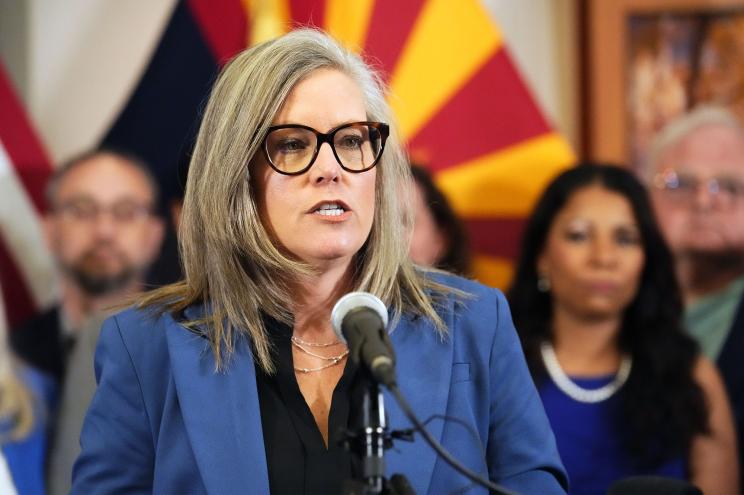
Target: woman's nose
[
  {"x": 604, "y": 252},
  {"x": 326, "y": 168}
]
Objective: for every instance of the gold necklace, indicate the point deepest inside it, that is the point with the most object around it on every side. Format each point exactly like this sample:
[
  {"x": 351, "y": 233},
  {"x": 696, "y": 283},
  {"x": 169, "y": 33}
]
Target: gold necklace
[
  {"x": 334, "y": 360},
  {"x": 325, "y": 358},
  {"x": 297, "y": 340},
  {"x": 310, "y": 370}
]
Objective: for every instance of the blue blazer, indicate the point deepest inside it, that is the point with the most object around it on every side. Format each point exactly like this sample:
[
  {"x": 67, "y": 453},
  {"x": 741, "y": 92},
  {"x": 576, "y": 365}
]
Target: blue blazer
[{"x": 163, "y": 421}]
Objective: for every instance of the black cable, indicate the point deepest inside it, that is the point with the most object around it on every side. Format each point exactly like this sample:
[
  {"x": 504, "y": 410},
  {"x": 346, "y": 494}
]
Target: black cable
[
  {"x": 461, "y": 422},
  {"x": 493, "y": 487}
]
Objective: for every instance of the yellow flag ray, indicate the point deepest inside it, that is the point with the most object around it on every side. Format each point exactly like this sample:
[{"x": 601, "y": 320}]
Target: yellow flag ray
[
  {"x": 450, "y": 41},
  {"x": 269, "y": 19},
  {"x": 493, "y": 271},
  {"x": 506, "y": 182},
  {"x": 348, "y": 21}
]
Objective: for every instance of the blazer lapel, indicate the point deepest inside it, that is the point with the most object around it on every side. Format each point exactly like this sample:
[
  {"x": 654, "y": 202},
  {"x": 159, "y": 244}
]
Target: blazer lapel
[
  {"x": 424, "y": 369},
  {"x": 221, "y": 413}
]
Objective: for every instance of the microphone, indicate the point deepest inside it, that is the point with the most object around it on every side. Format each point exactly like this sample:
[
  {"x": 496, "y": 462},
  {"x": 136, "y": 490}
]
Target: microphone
[{"x": 360, "y": 320}]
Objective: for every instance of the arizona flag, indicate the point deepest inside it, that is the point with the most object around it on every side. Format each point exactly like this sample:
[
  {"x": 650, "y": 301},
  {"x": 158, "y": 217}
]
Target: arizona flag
[
  {"x": 463, "y": 108},
  {"x": 25, "y": 265}
]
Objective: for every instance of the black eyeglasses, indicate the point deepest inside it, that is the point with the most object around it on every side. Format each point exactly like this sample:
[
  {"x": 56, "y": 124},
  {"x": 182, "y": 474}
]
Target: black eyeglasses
[{"x": 291, "y": 149}]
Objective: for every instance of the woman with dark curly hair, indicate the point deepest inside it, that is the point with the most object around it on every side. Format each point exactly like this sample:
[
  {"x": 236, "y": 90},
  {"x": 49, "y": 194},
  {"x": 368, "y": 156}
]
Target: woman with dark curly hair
[{"x": 598, "y": 310}]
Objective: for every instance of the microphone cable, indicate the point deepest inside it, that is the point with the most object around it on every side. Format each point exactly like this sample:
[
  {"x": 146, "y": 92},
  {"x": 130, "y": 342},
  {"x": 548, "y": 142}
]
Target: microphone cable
[{"x": 440, "y": 450}]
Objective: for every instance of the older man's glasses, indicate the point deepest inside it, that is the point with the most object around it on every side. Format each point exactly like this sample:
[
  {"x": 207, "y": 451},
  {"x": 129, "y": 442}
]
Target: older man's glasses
[
  {"x": 292, "y": 149},
  {"x": 683, "y": 187}
]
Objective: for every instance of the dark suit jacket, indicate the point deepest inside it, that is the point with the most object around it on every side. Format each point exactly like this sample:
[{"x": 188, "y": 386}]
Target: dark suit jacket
[
  {"x": 163, "y": 421},
  {"x": 730, "y": 363},
  {"x": 40, "y": 343}
]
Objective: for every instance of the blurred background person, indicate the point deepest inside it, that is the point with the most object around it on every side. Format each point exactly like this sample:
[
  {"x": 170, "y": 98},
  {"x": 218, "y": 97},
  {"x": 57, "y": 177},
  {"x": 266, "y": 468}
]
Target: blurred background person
[
  {"x": 78, "y": 389},
  {"x": 439, "y": 239},
  {"x": 696, "y": 176},
  {"x": 598, "y": 310},
  {"x": 166, "y": 269},
  {"x": 103, "y": 233},
  {"x": 25, "y": 397}
]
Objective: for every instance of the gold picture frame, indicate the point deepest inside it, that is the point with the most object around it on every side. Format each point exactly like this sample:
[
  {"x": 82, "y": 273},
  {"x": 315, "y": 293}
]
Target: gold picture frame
[{"x": 612, "y": 127}]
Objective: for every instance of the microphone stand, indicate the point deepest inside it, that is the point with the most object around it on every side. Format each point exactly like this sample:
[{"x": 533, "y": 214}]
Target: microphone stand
[{"x": 368, "y": 444}]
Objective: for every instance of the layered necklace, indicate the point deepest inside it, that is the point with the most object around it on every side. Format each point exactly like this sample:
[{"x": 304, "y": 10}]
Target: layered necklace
[
  {"x": 568, "y": 387},
  {"x": 302, "y": 345}
]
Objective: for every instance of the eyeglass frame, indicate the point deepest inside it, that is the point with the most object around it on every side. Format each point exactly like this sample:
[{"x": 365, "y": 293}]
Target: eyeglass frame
[
  {"x": 327, "y": 137},
  {"x": 712, "y": 185},
  {"x": 69, "y": 210}
]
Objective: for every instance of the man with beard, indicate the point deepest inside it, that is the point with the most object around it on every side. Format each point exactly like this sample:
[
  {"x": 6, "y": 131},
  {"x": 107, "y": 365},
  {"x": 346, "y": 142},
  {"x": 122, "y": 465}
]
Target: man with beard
[
  {"x": 696, "y": 177},
  {"x": 103, "y": 233}
]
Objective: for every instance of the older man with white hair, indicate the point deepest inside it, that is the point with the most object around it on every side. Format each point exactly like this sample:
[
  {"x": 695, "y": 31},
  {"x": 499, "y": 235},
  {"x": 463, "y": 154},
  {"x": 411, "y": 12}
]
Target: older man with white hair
[{"x": 696, "y": 175}]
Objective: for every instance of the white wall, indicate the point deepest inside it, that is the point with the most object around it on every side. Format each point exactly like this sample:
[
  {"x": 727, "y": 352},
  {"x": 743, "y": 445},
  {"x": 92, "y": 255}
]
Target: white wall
[{"x": 542, "y": 36}]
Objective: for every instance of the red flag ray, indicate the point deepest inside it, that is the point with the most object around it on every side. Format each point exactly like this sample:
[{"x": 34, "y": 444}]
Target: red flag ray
[
  {"x": 23, "y": 147},
  {"x": 494, "y": 110},
  {"x": 307, "y": 12},
  {"x": 223, "y": 24},
  {"x": 389, "y": 28}
]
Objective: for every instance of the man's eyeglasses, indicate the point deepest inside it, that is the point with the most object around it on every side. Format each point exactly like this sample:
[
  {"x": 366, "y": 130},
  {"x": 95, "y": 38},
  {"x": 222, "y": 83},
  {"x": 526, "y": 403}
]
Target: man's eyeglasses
[
  {"x": 683, "y": 187},
  {"x": 85, "y": 211},
  {"x": 292, "y": 149}
]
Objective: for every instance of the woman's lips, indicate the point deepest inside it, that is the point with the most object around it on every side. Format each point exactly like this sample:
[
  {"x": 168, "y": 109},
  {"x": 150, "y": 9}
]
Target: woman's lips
[{"x": 602, "y": 287}]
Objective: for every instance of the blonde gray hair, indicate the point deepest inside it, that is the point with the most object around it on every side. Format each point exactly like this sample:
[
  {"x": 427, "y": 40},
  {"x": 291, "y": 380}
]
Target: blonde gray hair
[
  {"x": 678, "y": 129},
  {"x": 16, "y": 402},
  {"x": 231, "y": 264}
]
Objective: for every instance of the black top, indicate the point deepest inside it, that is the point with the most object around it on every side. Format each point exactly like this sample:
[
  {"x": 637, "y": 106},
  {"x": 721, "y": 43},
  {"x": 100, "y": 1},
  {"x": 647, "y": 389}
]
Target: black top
[
  {"x": 296, "y": 456},
  {"x": 732, "y": 372}
]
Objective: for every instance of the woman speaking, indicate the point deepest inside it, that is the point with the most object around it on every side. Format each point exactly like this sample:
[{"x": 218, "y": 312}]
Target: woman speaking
[{"x": 233, "y": 380}]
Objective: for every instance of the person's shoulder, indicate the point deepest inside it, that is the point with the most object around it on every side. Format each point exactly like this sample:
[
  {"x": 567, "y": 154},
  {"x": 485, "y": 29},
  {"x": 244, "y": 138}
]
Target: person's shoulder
[
  {"x": 137, "y": 326},
  {"x": 137, "y": 318},
  {"x": 470, "y": 300},
  {"x": 465, "y": 289},
  {"x": 141, "y": 338},
  {"x": 477, "y": 316}
]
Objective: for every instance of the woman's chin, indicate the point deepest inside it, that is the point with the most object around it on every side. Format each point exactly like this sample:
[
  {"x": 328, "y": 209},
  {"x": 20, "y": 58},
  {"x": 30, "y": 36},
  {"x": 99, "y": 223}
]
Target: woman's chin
[
  {"x": 328, "y": 257},
  {"x": 336, "y": 250}
]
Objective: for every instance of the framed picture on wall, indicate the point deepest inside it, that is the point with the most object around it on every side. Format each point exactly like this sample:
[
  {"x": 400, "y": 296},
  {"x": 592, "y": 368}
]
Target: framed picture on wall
[{"x": 648, "y": 61}]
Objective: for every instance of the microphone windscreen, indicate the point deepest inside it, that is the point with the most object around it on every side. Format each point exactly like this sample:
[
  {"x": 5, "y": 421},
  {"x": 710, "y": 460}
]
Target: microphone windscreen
[{"x": 354, "y": 300}]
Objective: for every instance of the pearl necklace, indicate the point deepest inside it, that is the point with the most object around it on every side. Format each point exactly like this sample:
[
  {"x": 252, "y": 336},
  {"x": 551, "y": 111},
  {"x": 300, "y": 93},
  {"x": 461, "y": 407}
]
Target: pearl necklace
[
  {"x": 564, "y": 383},
  {"x": 334, "y": 360}
]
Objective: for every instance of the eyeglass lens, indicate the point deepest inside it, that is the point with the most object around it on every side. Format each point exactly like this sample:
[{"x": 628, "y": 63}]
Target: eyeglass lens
[
  {"x": 292, "y": 149},
  {"x": 86, "y": 211},
  {"x": 684, "y": 186}
]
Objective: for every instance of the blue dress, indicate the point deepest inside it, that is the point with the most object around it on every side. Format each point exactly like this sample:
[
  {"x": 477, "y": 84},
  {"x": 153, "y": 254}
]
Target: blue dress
[
  {"x": 589, "y": 445},
  {"x": 26, "y": 457}
]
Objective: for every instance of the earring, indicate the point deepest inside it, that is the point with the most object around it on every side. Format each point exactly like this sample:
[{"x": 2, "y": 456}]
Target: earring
[{"x": 543, "y": 283}]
